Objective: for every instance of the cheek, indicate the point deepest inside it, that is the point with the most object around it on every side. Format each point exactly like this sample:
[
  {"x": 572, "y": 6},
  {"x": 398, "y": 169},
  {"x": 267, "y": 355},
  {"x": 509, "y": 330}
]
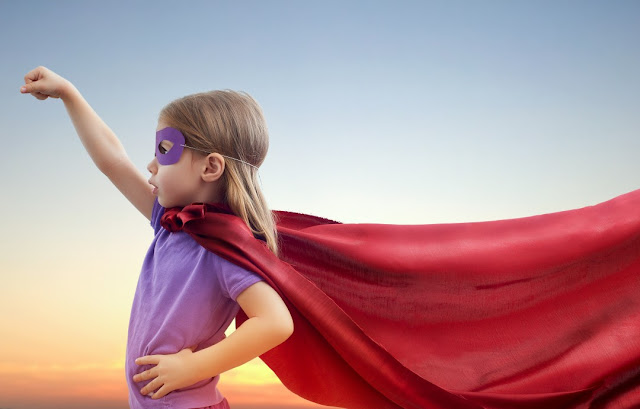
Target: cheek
[
  {"x": 167, "y": 178},
  {"x": 172, "y": 179},
  {"x": 163, "y": 177}
]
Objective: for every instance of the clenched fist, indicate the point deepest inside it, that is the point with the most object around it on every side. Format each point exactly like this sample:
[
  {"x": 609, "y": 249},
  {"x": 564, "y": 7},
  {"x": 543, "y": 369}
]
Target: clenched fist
[{"x": 43, "y": 83}]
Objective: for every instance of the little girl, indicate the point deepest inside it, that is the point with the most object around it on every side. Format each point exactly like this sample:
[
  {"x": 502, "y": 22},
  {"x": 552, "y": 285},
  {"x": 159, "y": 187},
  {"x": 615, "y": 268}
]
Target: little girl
[
  {"x": 536, "y": 312},
  {"x": 208, "y": 148}
]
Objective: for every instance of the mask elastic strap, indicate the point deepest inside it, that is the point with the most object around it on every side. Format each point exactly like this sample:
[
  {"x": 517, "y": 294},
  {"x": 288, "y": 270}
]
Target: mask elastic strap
[{"x": 228, "y": 157}]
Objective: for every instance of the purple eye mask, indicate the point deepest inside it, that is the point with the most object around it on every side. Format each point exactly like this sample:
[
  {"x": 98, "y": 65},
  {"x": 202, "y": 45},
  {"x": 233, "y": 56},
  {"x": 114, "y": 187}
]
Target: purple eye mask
[{"x": 172, "y": 155}]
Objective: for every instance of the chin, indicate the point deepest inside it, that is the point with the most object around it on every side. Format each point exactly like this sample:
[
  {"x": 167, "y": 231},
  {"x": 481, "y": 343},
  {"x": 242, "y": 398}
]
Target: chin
[
  {"x": 167, "y": 205},
  {"x": 163, "y": 203}
]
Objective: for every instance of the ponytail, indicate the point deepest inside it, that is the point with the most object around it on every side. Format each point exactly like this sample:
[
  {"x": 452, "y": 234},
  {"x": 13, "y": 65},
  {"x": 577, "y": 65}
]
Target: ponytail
[{"x": 246, "y": 200}]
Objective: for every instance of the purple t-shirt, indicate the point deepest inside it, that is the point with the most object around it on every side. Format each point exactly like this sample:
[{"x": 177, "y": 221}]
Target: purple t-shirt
[{"x": 185, "y": 297}]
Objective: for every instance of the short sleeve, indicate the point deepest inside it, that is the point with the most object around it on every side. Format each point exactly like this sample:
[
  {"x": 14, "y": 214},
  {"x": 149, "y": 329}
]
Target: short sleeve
[
  {"x": 156, "y": 214},
  {"x": 234, "y": 279}
]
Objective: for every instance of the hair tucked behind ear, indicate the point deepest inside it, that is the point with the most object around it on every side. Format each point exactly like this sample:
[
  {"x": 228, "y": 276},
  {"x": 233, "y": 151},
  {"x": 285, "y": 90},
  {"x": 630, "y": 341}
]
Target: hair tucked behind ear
[{"x": 232, "y": 124}]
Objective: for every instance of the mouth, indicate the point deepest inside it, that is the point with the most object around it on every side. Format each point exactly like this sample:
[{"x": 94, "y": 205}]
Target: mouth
[{"x": 155, "y": 188}]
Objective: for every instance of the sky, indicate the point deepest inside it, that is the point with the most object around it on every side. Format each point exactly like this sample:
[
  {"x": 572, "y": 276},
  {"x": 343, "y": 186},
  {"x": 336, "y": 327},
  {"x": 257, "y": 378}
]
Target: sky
[{"x": 379, "y": 112}]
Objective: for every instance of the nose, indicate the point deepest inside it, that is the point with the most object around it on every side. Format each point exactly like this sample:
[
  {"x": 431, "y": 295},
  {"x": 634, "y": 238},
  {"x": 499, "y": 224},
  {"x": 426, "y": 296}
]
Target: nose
[{"x": 153, "y": 165}]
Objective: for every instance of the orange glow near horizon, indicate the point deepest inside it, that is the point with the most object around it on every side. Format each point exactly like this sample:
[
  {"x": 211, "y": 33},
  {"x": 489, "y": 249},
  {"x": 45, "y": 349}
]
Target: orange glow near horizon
[
  {"x": 23, "y": 387},
  {"x": 63, "y": 342}
]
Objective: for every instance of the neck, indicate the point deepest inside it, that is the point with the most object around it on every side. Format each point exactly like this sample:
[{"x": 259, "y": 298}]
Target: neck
[{"x": 209, "y": 192}]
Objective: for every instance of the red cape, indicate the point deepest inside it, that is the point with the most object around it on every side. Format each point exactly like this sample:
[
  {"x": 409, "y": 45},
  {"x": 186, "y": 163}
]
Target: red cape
[{"x": 536, "y": 312}]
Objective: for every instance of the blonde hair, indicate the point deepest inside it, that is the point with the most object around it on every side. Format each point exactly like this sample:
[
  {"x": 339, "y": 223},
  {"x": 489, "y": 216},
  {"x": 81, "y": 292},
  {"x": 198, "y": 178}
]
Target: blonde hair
[{"x": 230, "y": 123}]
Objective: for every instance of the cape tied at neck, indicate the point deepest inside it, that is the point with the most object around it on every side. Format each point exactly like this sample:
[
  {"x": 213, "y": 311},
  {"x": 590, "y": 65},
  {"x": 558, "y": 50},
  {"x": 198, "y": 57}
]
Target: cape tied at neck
[
  {"x": 175, "y": 218},
  {"x": 533, "y": 312}
]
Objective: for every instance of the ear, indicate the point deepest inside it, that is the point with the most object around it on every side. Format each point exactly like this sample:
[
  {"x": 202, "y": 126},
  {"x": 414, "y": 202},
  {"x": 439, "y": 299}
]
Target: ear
[{"x": 213, "y": 167}]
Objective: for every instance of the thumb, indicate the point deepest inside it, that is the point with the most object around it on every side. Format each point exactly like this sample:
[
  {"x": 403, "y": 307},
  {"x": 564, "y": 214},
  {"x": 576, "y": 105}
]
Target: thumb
[
  {"x": 28, "y": 88},
  {"x": 37, "y": 90}
]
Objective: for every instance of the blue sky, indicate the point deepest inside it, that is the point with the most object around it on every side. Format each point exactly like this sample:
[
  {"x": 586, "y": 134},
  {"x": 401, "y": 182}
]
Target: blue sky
[
  {"x": 443, "y": 111},
  {"x": 385, "y": 112}
]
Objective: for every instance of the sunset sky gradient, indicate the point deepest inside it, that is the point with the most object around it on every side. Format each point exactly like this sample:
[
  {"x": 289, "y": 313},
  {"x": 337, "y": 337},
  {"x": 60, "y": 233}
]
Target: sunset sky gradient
[{"x": 405, "y": 112}]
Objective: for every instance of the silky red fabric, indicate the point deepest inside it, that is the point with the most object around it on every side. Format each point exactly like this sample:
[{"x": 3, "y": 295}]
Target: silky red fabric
[{"x": 536, "y": 312}]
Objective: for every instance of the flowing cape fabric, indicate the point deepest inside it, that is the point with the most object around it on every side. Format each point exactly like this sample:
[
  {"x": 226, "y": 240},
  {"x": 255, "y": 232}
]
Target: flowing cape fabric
[{"x": 535, "y": 312}]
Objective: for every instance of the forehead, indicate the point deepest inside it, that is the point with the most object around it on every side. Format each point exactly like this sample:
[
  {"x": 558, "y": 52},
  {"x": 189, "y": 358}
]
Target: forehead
[{"x": 161, "y": 125}]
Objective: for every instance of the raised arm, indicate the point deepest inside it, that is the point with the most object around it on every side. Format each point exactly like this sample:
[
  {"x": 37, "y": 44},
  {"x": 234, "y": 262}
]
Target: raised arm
[{"x": 101, "y": 143}]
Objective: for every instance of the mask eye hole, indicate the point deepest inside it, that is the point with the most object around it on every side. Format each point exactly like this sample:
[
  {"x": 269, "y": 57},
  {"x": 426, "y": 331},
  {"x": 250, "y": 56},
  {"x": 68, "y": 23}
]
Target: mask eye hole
[{"x": 164, "y": 147}]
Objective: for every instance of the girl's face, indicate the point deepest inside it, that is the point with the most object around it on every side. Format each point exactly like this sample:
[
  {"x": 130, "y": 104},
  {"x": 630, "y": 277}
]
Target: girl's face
[{"x": 178, "y": 183}]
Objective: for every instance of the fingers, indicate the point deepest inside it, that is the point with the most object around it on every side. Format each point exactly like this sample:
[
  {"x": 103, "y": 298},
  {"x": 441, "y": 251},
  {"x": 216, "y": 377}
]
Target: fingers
[
  {"x": 35, "y": 74},
  {"x": 148, "y": 374},
  {"x": 151, "y": 386},
  {"x": 149, "y": 359},
  {"x": 30, "y": 79},
  {"x": 161, "y": 392},
  {"x": 40, "y": 96},
  {"x": 143, "y": 376}
]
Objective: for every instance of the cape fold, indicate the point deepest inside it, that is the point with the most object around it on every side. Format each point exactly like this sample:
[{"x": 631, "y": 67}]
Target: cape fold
[{"x": 534, "y": 312}]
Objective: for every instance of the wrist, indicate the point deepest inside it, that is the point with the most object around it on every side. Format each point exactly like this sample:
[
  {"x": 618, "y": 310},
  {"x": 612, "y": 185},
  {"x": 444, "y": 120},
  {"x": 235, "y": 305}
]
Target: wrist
[
  {"x": 202, "y": 363},
  {"x": 68, "y": 91}
]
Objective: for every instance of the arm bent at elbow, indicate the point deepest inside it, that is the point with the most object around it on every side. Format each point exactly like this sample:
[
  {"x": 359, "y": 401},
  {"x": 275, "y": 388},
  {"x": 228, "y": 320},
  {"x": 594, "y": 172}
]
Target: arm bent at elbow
[
  {"x": 263, "y": 305},
  {"x": 269, "y": 325}
]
